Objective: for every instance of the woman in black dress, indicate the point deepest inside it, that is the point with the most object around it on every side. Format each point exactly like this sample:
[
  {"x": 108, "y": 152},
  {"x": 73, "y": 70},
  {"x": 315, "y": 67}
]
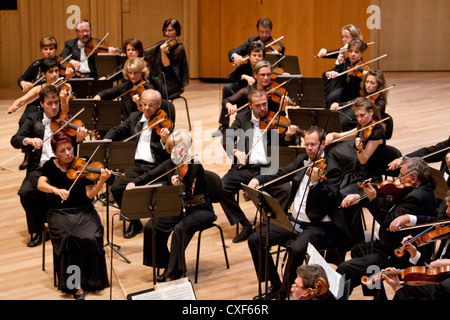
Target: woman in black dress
[{"x": 75, "y": 228}]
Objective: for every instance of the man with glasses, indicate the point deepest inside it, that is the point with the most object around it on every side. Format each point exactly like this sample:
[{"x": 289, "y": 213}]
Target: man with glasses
[
  {"x": 150, "y": 148},
  {"x": 380, "y": 252},
  {"x": 76, "y": 47}
]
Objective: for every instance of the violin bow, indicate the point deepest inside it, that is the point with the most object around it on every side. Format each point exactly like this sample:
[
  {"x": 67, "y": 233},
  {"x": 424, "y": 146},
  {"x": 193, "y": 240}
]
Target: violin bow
[
  {"x": 266, "y": 46},
  {"x": 149, "y": 127},
  {"x": 82, "y": 170},
  {"x": 368, "y": 96},
  {"x": 64, "y": 125},
  {"x": 134, "y": 87},
  {"x": 42, "y": 77},
  {"x": 356, "y": 131},
  {"x": 177, "y": 166},
  {"x": 342, "y": 50},
  {"x": 358, "y": 66},
  {"x": 269, "y": 91}
]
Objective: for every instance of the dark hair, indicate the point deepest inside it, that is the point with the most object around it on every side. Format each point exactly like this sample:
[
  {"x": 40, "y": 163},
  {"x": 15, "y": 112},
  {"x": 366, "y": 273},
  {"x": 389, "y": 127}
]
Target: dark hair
[
  {"x": 59, "y": 138},
  {"x": 135, "y": 43},
  {"x": 49, "y": 63},
  {"x": 309, "y": 274},
  {"x": 320, "y": 132},
  {"x": 257, "y": 46},
  {"x": 359, "y": 44},
  {"x": 174, "y": 23},
  {"x": 365, "y": 103},
  {"x": 381, "y": 83},
  {"x": 265, "y": 22},
  {"x": 48, "y": 91},
  {"x": 255, "y": 93}
]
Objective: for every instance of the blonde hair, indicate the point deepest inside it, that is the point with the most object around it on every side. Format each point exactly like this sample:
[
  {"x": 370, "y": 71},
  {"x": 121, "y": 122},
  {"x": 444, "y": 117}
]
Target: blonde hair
[
  {"x": 135, "y": 65},
  {"x": 354, "y": 31}
]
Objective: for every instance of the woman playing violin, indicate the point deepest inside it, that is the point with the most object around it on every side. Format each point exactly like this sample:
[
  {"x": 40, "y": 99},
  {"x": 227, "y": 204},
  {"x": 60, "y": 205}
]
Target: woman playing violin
[{"x": 75, "y": 227}]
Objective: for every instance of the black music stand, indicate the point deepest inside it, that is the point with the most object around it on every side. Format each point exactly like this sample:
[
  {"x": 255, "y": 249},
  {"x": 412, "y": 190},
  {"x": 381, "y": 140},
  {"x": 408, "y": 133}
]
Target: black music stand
[
  {"x": 87, "y": 88},
  {"x": 293, "y": 87},
  {"x": 117, "y": 155},
  {"x": 323, "y": 118},
  {"x": 289, "y": 63},
  {"x": 272, "y": 211},
  {"x": 440, "y": 186},
  {"x": 98, "y": 115},
  {"x": 152, "y": 201},
  {"x": 106, "y": 63},
  {"x": 312, "y": 93}
]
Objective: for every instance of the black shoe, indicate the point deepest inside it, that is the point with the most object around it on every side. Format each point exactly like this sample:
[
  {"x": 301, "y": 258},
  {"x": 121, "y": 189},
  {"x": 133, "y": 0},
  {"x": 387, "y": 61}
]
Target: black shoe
[
  {"x": 24, "y": 163},
  {"x": 272, "y": 293},
  {"x": 134, "y": 228},
  {"x": 37, "y": 239},
  {"x": 78, "y": 296},
  {"x": 220, "y": 132},
  {"x": 162, "y": 278},
  {"x": 245, "y": 233}
]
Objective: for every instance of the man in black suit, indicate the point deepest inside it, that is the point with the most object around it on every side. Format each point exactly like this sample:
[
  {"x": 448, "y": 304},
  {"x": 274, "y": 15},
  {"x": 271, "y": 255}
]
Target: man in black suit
[
  {"x": 380, "y": 252},
  {"x": 32, "y": 134},
  {"x": 150, "y": 148},
  {"x": 313, "y": 209},
  {"x": 76, "y": 47},
  {"x": 245, "y": 143}
]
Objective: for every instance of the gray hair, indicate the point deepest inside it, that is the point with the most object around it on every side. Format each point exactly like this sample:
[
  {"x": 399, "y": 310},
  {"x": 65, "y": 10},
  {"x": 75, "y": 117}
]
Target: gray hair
[{"x": 419, "y": 167}]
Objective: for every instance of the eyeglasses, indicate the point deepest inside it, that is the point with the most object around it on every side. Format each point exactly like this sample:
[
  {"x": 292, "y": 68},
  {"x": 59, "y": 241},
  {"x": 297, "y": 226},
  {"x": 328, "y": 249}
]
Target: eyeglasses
[
  {"x": 148, "y": 104},
  {"x": 262, "y": 75},
  {"x": 295, "y": 286},
  {"x": 84, "y": 31}
]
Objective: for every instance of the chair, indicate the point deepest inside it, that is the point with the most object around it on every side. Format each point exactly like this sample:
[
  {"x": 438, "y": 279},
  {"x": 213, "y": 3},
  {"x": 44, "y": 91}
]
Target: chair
[
  {"x": 44, "y": 233},
  {"x": 214, "y": 187},
  {"x": 177, "y": 95},
  {"x": 389, "y": 127}
]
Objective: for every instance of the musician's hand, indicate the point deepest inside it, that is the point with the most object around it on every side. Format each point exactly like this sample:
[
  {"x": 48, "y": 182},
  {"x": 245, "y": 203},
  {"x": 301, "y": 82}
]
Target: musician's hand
[
  {"x": 232, "y": 108},
  {"x": 329, "y": 138},
  {"x": 70, "y": 73},
  {"x": 313, "y": 174},
  {"x": 164, "y": 48},
  {"x": 334, "y": 106},
  {"x": 62, "y": 193},
  {"x": 76, "y": 64},
  {"x": 25, "y": 85},
  {"x": 35, "y": 142},
  {"x": 409, "y": 247},
  {"x": 322, "y": 53},
  {"x": 250, "y": 80},
  {"x": 358, "y": 143},
  {"x": 331, "y": 74},
  {"x": 350, "y": 200},
  {"x": 105, "y": 174},
  {"x": 399, "y": 222},
  {"x": 291, "y": 130},
  {"x": 440, "y": 263},
  {"x": 112, "y": 50},
  {"x": 241, "y": 156},
  {"x": 392, "y": 280},
  {"x": 175, "y": 180},
  {"x": 341, "y": 58},
  {"x": 165, "y": 133},
  {"x": 447, "y": 160},
  {"x": 395, "y": 164},
  {"x": 370, "y": 190},
  {"x": 254, "y": 183},
  {"x": 237, "y": 59},
  {"x": 82, "y": 133},
  {"x": 136, "y": 99},
  {"x": 130, "y": 186}
]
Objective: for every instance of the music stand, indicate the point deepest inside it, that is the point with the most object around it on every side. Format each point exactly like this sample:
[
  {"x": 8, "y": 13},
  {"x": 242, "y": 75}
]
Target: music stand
[
  {"x": 99, "y": 115},
  {"x": 293, "y": 87},
  {"x": 106, "y": 63},
  {"x": 323, "y": 118},
  {"x": 110, "y": 153},
  {"x": 152, "y": 201},
  {"x": 271, "y": 209},
  {"x": 87, "y": 88},
  {"x": 439, "y": 183},
  {"x": 312, "y": 93},
  {"x": 289, "y": 63}
]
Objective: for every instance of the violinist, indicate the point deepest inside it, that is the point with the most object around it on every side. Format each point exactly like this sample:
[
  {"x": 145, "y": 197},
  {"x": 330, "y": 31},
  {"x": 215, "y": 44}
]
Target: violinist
[
  {"x": 31, "y": 135},
  {"x": 76, "y": 230},
  {"x": 76, "y": 47},
  {"x": 150, "y": 148},
  {"x": 380, "y": 252},
  {"x": 135, "y": 72},
  {"x": 307, "y": 275},
  {"x": 169, "y": 70},
  {"x": 241, "y": 77},
  {"x": 312, "y": 206},
  {"x": 245, "y": 135},
  {"x": 264, "y": 27},
  {"x": 346, "y": 87}
]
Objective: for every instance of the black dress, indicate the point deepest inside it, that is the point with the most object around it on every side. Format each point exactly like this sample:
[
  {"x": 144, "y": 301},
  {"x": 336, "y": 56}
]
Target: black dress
[{"x": 76, "y": 233}]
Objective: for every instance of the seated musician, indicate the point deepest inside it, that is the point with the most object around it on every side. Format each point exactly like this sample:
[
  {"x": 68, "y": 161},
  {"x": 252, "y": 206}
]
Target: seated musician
[
  {"x": 244, "y": 136},
  {"x": 32, "y": 134},
  {"x": 150, "y": 149},
  {"x": 307, "y": 275},
  {"x": 241, "y": 77},
  {"x": 440, "y": 258},
  {"x": 135, "y": 72},
  {"x": 380, "y": 252},
  {"x": 199, "y": 211},
  {"x": 75, "y": 227},
  {"x": 313, "y": 209},
  {"x": 76, "y": 47},
  {"x": 264, "y": 27}
]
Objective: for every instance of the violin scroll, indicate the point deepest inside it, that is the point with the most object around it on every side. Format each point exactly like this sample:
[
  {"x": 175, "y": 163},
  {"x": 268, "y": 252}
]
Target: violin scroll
[{"x": 320, "y": 288}]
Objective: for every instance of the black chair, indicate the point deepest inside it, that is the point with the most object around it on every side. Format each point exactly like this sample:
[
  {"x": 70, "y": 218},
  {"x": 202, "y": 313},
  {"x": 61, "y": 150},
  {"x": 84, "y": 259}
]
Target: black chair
[
  {"x": 214, "y": 187},
  {"x": 389, "y": 126},
  {"x": 44, "y": 234},
  {"x": 178, "y": 95}
]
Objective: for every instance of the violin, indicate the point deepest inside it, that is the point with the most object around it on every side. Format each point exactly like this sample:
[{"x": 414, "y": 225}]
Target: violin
[
  {"x": 170, "y": 43},
  {"x": 389, "y": 188},
  {"x": 71, "y": 126},
  {"x": 280, "y": 123},
  {"x": 414, "y": 276},
  {"x": 79, "y": 169},
  {"x": 95, "y": 46},
  {"x": 358, "y": 69},
  {"x": 364, "y": 135},
  {"x": 320, "y": 288},
  {"x": 159, "y": 121},
  {"x": 136, "y": 89},
  {"x": 276, "y": 93},
  {"x": 64, "y": 65},
  {"x": 273, "y": 46}
]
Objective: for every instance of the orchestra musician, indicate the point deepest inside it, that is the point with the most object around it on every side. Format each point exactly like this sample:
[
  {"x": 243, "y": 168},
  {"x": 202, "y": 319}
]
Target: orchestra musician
[
  {"x": 420, "y": 201},
  {"x": 32, "y": 134},
  {"x": 76, "y": 230},
  {"x": 150, "y": 149},
  {"x": 169, "y": 70},
  {"x": 76, "y": 47},
  {"x": 312, "y": 207},
  {"x": 264, "y": 27},
  {"x": 307, "y": 275},
  {"x": 135, "y": 72},
  {"x": 241, "y": 77},
  {"x": 246, "y": 164}
]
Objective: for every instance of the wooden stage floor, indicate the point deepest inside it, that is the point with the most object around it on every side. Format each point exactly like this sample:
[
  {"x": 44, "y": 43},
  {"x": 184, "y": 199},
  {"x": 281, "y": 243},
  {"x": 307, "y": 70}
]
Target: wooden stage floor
[{"x": 419, "y": 105}]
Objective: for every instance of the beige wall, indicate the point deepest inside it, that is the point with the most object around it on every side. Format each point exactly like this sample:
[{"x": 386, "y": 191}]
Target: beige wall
[{"x": 414, "y": 33}]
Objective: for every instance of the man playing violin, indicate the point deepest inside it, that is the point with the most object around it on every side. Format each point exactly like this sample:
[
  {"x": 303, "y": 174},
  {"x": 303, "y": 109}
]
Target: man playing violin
[
  {"x": 380, "y": 252},
  {"x": 150, "y": 148},
  {"x": 32, "y": 134},
  {"x": 244, "y": 136},
  {"x": 264, "y": 27},
  {"x": 312, "y": 207}
]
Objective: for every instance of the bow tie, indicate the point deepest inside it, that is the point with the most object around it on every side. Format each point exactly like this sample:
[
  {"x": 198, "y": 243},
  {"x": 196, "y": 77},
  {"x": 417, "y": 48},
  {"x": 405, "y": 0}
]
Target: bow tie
[
  {"x": 254, "y": 120},
  {"x": 46, "y": 122}
]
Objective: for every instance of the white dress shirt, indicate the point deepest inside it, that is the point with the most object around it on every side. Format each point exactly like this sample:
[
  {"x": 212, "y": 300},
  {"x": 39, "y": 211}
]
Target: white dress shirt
[
  {"x": 258, "y": 154},
  {"x": 143, "y": 150},
  {"x": 47, "y": 151}
]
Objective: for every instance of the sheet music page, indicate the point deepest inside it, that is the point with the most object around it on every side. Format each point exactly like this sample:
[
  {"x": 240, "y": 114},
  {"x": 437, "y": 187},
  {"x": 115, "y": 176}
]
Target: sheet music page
[
  {"x": 180, "y": 289},
  {"x": 335, "y": 280}
]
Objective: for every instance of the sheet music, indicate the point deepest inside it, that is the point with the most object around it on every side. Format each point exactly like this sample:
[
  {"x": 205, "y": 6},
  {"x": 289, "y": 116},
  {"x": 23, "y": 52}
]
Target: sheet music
[
  {"x": 180, "y": 289},
  {"x": 336, "y": 281}
]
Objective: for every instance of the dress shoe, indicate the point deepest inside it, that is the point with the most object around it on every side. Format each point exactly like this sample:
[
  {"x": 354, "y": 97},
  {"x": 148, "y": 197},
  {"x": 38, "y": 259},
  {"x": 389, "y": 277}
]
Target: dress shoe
[
  {"x": 220, "y": 132},
  {"x": 134, "y": 228},
  {"x": 272, "y": 293},
  {"x": 24, "y": 163},
  {"x": 245, "y": 233},
  {"x": 37, "y": 239},
  {"x": 79, "y": 296}
]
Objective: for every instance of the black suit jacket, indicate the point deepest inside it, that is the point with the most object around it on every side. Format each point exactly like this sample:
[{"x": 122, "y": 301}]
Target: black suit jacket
[
  {"x": 71, "y": 47},
  {"x": 242, "y": 50}
]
